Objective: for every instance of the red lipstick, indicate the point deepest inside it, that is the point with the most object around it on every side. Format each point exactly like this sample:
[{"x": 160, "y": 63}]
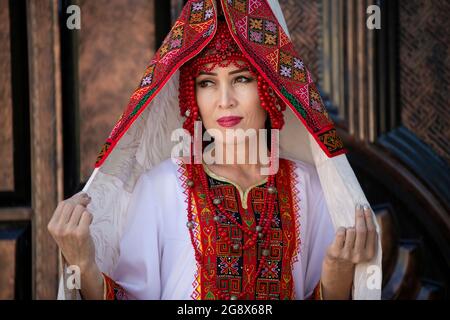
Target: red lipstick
[{"x": 229, "y": 121}]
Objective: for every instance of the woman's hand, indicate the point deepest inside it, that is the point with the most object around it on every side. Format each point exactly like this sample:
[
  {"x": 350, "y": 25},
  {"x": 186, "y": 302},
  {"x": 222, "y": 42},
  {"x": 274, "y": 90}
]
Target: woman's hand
[
  {"x": 69, "y": 226},
  {"x": 351, "y": 246}
]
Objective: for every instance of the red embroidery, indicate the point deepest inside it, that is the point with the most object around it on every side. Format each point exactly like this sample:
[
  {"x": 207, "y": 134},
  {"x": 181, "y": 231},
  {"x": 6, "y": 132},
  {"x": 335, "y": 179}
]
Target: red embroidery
[
  {"x": 231, "y": 269},
  {"x": 317, "y": 292},
  {"x": 112, "y": 290}
]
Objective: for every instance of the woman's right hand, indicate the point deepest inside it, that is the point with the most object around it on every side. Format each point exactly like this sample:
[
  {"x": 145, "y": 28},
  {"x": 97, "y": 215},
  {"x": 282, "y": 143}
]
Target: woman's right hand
[{"x": 69, "y": 226}]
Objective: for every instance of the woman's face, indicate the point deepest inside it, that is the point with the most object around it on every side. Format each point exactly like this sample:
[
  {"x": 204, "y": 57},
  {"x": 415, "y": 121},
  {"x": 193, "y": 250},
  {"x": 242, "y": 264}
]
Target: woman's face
[{"x": 228, "y": 99}]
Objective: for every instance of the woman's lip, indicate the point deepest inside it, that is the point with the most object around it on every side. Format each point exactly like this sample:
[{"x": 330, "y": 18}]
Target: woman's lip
[{"x": 230, "y": 121}]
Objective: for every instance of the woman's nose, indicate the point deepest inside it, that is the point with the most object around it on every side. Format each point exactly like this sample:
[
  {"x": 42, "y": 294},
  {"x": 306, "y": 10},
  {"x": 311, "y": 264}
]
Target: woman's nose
[{"x": 227, "y": 99}]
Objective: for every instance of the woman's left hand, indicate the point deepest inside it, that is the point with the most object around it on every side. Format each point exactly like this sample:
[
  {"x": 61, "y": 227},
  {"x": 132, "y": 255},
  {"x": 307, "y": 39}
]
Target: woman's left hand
[{"x": 351, "y": 246}]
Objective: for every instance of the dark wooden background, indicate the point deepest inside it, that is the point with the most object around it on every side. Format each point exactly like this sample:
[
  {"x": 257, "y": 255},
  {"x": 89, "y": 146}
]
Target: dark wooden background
[{"x": 61, "y": 91}]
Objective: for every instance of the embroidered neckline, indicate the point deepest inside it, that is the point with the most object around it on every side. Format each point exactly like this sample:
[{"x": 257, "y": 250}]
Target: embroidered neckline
[
  {"x": 208, "y": 239},
  {"x": 242, "y": 193}
]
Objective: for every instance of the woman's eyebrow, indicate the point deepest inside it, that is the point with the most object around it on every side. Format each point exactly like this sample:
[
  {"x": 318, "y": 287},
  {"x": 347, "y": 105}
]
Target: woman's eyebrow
[{"x": 215, "y": 74}]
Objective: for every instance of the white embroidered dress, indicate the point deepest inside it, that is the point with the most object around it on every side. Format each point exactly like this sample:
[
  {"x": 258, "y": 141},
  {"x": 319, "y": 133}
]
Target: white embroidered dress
[{"x": 156, "y": 259}]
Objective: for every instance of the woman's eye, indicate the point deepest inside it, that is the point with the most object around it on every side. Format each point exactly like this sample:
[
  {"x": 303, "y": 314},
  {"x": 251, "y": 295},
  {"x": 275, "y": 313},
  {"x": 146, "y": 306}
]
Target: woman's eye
[
  {"x": 208, "y": 83},
  {"x": 243, "y": 79},
  {"x": 204, "y": 83}
]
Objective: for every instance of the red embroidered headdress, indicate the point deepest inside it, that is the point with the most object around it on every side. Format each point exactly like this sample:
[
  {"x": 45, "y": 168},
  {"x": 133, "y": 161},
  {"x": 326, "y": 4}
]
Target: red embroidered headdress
[
  {"x": 262, "y": 41},
  {"x": 223, "y": 51}
]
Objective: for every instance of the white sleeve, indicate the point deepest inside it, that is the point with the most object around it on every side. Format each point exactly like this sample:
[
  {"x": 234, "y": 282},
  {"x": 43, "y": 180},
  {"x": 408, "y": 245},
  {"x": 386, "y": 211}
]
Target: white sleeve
[
  {"x": 319, "y": 230},
  {"x": 138, "y": 266}
]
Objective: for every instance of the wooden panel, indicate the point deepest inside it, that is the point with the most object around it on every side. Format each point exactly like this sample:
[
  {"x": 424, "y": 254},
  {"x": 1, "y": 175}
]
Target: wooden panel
[
  {"x": 15, "y": 214},
  {"x": 424, "y": 56},
  {"x": 351, "y": 62},
  {"x": 7, "y": 265},
  {"x": 116, "y": 42},
  {"x": 6, "y": 133},
  {"x": 359, "y": 67},
  {"x": 15, "y": 260},
  {"x": 43, "y": 51},
  {"x": 362, "y": 97},
  {"x": 334, "y": 80}
]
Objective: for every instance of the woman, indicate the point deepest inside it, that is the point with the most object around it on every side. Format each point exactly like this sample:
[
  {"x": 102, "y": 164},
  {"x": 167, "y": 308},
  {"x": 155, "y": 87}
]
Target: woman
[{"x": 236, "y": 229}]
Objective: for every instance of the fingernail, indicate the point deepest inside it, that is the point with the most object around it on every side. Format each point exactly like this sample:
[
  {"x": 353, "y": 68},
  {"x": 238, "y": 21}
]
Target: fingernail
[
  {"x": 366, "y": 207},
  {"x": 358, "y": 206}
]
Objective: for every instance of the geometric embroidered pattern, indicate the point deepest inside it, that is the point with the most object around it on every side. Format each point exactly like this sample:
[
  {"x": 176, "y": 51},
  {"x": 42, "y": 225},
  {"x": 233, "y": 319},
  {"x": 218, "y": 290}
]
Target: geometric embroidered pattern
[{"x": 233, "y": 269}]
